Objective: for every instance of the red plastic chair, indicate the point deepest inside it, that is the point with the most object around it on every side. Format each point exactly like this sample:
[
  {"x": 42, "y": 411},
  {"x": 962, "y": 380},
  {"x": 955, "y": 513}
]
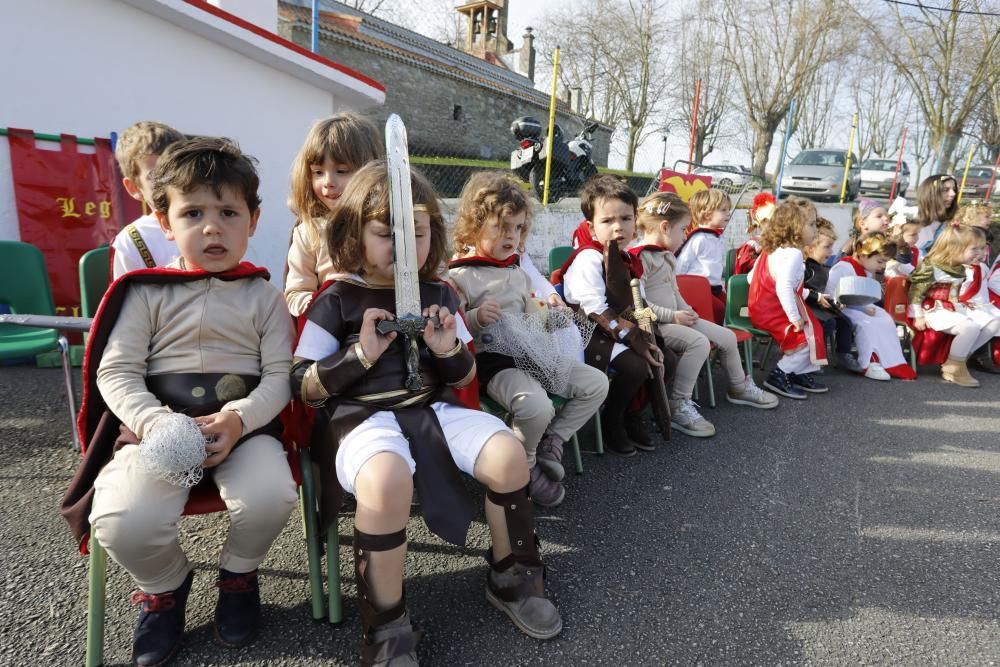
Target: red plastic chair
[
  {"x": 896, "y": 301},
  {"x": 697, "y": 291}
]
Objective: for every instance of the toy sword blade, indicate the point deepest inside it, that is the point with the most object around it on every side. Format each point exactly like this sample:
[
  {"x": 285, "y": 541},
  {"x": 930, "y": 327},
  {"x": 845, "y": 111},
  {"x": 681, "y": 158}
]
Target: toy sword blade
[
  {"x": 658, "y": 399},
  {"x": 409, "y": 320}
]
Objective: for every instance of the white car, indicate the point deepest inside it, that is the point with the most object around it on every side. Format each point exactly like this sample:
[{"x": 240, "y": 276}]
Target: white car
[
  {"x": 724, "y": 176},
  {"x": 877, "y": 175}
]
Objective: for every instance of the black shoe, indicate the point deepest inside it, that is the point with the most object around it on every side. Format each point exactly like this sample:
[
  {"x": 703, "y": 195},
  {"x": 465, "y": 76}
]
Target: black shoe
[
  {"x": 984, "y": 362},
  {"x": 158, "y": 631},
  {"x": 637, "y": 433},
  {"x": 780, "y": 383},
  {"x": 616, "y": 439},
  {"x": 807, "y": 382},
  {"x": 237, "y": 612}
]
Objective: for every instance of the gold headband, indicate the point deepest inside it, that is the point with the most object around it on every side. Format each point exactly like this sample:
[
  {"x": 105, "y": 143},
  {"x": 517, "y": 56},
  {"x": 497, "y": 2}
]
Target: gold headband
[{"x": 420, "y": 208}]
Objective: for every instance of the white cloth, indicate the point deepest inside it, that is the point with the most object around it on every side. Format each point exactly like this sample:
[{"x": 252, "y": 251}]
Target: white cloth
[
  {"x": 980, "y": 308},
  {"x": 126, "y": 254},
  {"x": 798, "y": 362},
  {"x": 465, "y": 431},
  {"x": 704, "y": 254},
  {"x": 788, "y": 268},
  {"x": 926, "y": 236},
  {"x": 543, "y": 288},
  {"x": 583, "y": 284},
  {"x": 896, "y": 269},
  {"x": 993, "y": 281},
  {"x": 873, "y": 334}
]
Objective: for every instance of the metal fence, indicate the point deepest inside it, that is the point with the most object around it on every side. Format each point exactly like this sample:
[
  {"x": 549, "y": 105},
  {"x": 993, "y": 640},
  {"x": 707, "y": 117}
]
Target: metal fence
[{"x": 449, "y": 174}]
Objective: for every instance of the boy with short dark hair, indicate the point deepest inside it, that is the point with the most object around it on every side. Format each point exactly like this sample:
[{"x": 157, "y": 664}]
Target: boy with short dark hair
[
  {"x": 142, "y": 244},
  {"x": 208, "y": 336},
  {"x": 592, "y": 281}
]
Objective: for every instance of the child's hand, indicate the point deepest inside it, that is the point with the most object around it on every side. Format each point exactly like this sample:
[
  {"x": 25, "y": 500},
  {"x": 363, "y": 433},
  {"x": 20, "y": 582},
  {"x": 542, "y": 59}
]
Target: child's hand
[
  {"x": 798, "y": 324},
  {"x": 919, "y": 323},
  {"x": 869, "y": 310},
  {"x": 654, "y": 356},
  {"x": 555, "y": 301},
  {"x": 823, "y": 301},
  {"x": 440, "y": 340},
  {"x": 373, "y": 344},
  {"x": 685, "y": 318},
  {"x": 227, "y": 427},
  {"x": 488, "y": 312}
]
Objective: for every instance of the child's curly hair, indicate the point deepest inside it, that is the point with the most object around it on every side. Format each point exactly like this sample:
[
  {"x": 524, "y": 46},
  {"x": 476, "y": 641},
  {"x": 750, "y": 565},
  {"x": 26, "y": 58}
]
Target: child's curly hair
[
  {"x": 703, "y": 203},
  {"x": 487, "y": 197},
  {"x": 825, "y": 228},
  {"x": 785, "y": 229},
  {"x": 975, "y": 214},
  {"x": 658, "y": 207},
  {"x": 365, "y": 198}
]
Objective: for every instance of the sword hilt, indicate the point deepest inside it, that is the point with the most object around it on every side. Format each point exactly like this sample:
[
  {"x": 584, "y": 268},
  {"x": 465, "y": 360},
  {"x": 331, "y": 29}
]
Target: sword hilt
[
  {"x": 408, "y": 326},
  {"x": 637, "y": 301}
]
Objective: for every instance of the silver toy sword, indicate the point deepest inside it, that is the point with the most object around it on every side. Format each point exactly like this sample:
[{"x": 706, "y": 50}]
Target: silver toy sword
[{"x": 409, "y": 321}]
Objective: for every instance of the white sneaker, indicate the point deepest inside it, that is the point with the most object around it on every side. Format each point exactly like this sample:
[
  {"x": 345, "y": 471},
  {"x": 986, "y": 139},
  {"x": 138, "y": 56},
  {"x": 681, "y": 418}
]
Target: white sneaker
[
  {"x": 876, "y": 372},
  {"x": 684, "y": 417},
  {"x": 750, "y": 394}
]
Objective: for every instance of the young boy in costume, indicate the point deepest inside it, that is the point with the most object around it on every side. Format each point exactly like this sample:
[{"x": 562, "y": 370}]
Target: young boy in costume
[
  {"x": 596, "y": 280},
  {"x": 494, "y": 220},
  {"x": 142, "y": 244},
  {"x": 378, "y": 435},
  {"x": 208, "y": 336}
]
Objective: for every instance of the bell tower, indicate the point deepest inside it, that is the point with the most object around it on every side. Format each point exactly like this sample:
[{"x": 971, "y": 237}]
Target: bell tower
[{"x": 487, "y": 27}]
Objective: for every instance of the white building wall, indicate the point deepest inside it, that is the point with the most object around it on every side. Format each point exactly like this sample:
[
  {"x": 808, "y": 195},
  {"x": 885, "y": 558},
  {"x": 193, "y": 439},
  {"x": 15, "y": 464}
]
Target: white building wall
[{"x": 90, "y": 68}]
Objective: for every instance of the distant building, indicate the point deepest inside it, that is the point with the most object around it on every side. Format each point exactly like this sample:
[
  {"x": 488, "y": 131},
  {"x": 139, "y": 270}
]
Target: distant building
[{"x": 455, "y": 102}]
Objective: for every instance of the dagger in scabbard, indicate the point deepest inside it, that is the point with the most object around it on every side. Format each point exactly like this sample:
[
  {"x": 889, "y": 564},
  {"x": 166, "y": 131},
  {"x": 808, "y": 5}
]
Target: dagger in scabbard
[
  {"x": 645, "y": 319},
  {"x": 409, "y": 322}
]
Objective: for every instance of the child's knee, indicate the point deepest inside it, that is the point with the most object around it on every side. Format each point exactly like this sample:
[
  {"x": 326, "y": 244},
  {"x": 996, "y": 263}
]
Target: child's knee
[
  {"x": 271, "y": 495},
  {"x": 141, "y": 526},
  {"x": 531, "y": 406},
  {"x": 385, "y": 483},
  {"x": 502, "y": 464}
]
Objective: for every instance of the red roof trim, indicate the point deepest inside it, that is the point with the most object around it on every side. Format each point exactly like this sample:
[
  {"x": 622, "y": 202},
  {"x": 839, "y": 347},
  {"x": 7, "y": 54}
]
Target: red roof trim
[{"x": 271, "y": 37}]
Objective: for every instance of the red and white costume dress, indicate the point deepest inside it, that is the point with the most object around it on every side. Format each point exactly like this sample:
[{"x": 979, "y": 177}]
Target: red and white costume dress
[
  {"x": 776, "y": 302},
  {"x": 873, "y": 334}
]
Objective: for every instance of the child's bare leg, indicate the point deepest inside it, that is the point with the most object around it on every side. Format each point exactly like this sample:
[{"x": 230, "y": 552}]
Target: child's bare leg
[{"x": 515, "y": 584}]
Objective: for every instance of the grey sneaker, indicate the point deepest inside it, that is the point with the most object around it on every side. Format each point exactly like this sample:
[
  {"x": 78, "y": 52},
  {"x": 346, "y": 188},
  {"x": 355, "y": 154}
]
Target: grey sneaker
[
  {"x": 750, "y": 394},
  {"x": 686, "y": 419},
  {"x": 544, "y": 491},
  {"x": 849, "y": 362},
  {"x": 549, "y": 456},
  {"x": 519, "y": 592}
]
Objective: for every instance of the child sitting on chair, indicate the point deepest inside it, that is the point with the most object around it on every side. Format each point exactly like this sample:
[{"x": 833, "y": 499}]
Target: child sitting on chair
[
  {"x": 384, "y": 431},
  {"x": 494, "y": 217},
  {"x": 663, "y": 218},
  {"x": 211, "y": 338},
  {"x": 820, "y": 300},
  {"x": 142, "y": 244},
  {"x": 703, "y": 253}
]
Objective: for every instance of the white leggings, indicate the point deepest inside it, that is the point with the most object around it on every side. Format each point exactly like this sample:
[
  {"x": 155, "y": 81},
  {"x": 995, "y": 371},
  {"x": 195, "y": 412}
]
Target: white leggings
[
  {"x": 798, "y": 362},
  {"x": 970, "y": 336}
]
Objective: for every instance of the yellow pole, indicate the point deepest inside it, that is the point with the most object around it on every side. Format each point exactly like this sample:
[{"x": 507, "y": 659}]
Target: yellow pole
[
  {"x": 847, "y": 167},
  {"x": 552, "y": 125},
  {"x": 966, "y": 172}
]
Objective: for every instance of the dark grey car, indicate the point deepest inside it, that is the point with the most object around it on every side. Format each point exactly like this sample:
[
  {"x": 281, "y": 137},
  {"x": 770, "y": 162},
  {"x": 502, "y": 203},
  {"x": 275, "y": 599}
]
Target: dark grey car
[{"x": 818, "y": 173}]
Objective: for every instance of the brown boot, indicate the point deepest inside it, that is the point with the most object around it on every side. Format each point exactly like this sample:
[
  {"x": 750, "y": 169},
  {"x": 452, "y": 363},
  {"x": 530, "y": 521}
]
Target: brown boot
[{"x": 955, "y": 370}]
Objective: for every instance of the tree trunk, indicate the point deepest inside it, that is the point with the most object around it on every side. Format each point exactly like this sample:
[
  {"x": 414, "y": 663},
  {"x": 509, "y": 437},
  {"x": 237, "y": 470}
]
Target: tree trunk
[
  {"x": 763, "y": 137},
  {"x": 946, "y": 161},
  {"x": 631, "y": 147}
]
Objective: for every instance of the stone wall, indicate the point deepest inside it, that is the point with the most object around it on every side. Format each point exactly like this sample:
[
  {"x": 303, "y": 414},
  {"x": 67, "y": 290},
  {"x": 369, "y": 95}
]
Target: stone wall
[{"x": 428, "y": 103}]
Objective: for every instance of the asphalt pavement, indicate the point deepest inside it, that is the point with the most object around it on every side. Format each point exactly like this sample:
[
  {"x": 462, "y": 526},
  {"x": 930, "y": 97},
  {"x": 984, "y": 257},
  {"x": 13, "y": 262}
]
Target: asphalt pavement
[{"x": 857, "y": 527}]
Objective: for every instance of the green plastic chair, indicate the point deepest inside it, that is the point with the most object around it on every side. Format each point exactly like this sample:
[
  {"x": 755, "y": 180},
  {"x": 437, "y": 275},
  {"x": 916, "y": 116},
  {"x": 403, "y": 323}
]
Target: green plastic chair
[
  {"x": 24, "y": 288},
  {"x": 730, "y": 265},
  {"x": 492, "y": 407},
  {"x": 95, "y": 276},
  {"x": 558, "y": 257},
  {"x": 738, "y": 317},
  {"x": 206, "y": 500}
]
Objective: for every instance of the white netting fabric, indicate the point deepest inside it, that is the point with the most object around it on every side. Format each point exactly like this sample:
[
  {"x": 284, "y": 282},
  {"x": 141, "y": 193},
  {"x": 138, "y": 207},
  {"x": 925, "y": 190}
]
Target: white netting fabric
[
  {"x": 174, "y": 450},
  {"x": 544, "y": 344}
]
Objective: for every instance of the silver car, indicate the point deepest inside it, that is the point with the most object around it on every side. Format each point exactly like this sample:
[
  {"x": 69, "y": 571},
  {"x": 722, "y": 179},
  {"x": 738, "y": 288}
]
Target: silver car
[
  {"x": 818, "y": 173},
  {"x": 877, "y": 176},
  {"x": 725, "y": 177}
]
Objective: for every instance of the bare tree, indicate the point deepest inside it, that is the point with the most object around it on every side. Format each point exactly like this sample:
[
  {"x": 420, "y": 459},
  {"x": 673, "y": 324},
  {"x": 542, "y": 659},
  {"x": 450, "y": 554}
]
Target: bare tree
[
  {"x": 949, "y": 58},
  {"x": 701, "y": 57},
  {"x": 882, "y": 102},
  {"x": 921, "y": 148},
  {"x": 814, "y": 113},
  {"x": 622, "y": 51},
  {"x": 776, "y": 48},
  {"x": 987, "y": 121}
]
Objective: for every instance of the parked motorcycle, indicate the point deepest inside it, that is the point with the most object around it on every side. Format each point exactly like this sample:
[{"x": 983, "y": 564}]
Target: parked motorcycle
[{"x": 572, "y": 162}]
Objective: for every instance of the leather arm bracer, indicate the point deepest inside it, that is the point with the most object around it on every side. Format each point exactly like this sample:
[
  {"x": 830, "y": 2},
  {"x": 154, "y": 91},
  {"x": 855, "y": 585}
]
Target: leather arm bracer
[{"x": 315, "y": 381}]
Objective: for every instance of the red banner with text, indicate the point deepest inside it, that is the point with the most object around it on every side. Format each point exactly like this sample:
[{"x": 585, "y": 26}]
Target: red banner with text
[{"x": 68, "y": 203}]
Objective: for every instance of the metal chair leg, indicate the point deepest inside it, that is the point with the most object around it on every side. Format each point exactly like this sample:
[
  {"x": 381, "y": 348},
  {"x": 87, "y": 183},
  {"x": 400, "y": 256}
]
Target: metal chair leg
[
  {"x": 70, "y": 392},
  {"x": 748, "y": 356},
  {"x": 599, "y": 433},
  {"x": 96, "y": 582},
  {"x": 307, "y": 496},
  {"x": 333, "y": 573},
  {"x": 711, "y": 382},
  {"x": 577, "y": 459}
]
